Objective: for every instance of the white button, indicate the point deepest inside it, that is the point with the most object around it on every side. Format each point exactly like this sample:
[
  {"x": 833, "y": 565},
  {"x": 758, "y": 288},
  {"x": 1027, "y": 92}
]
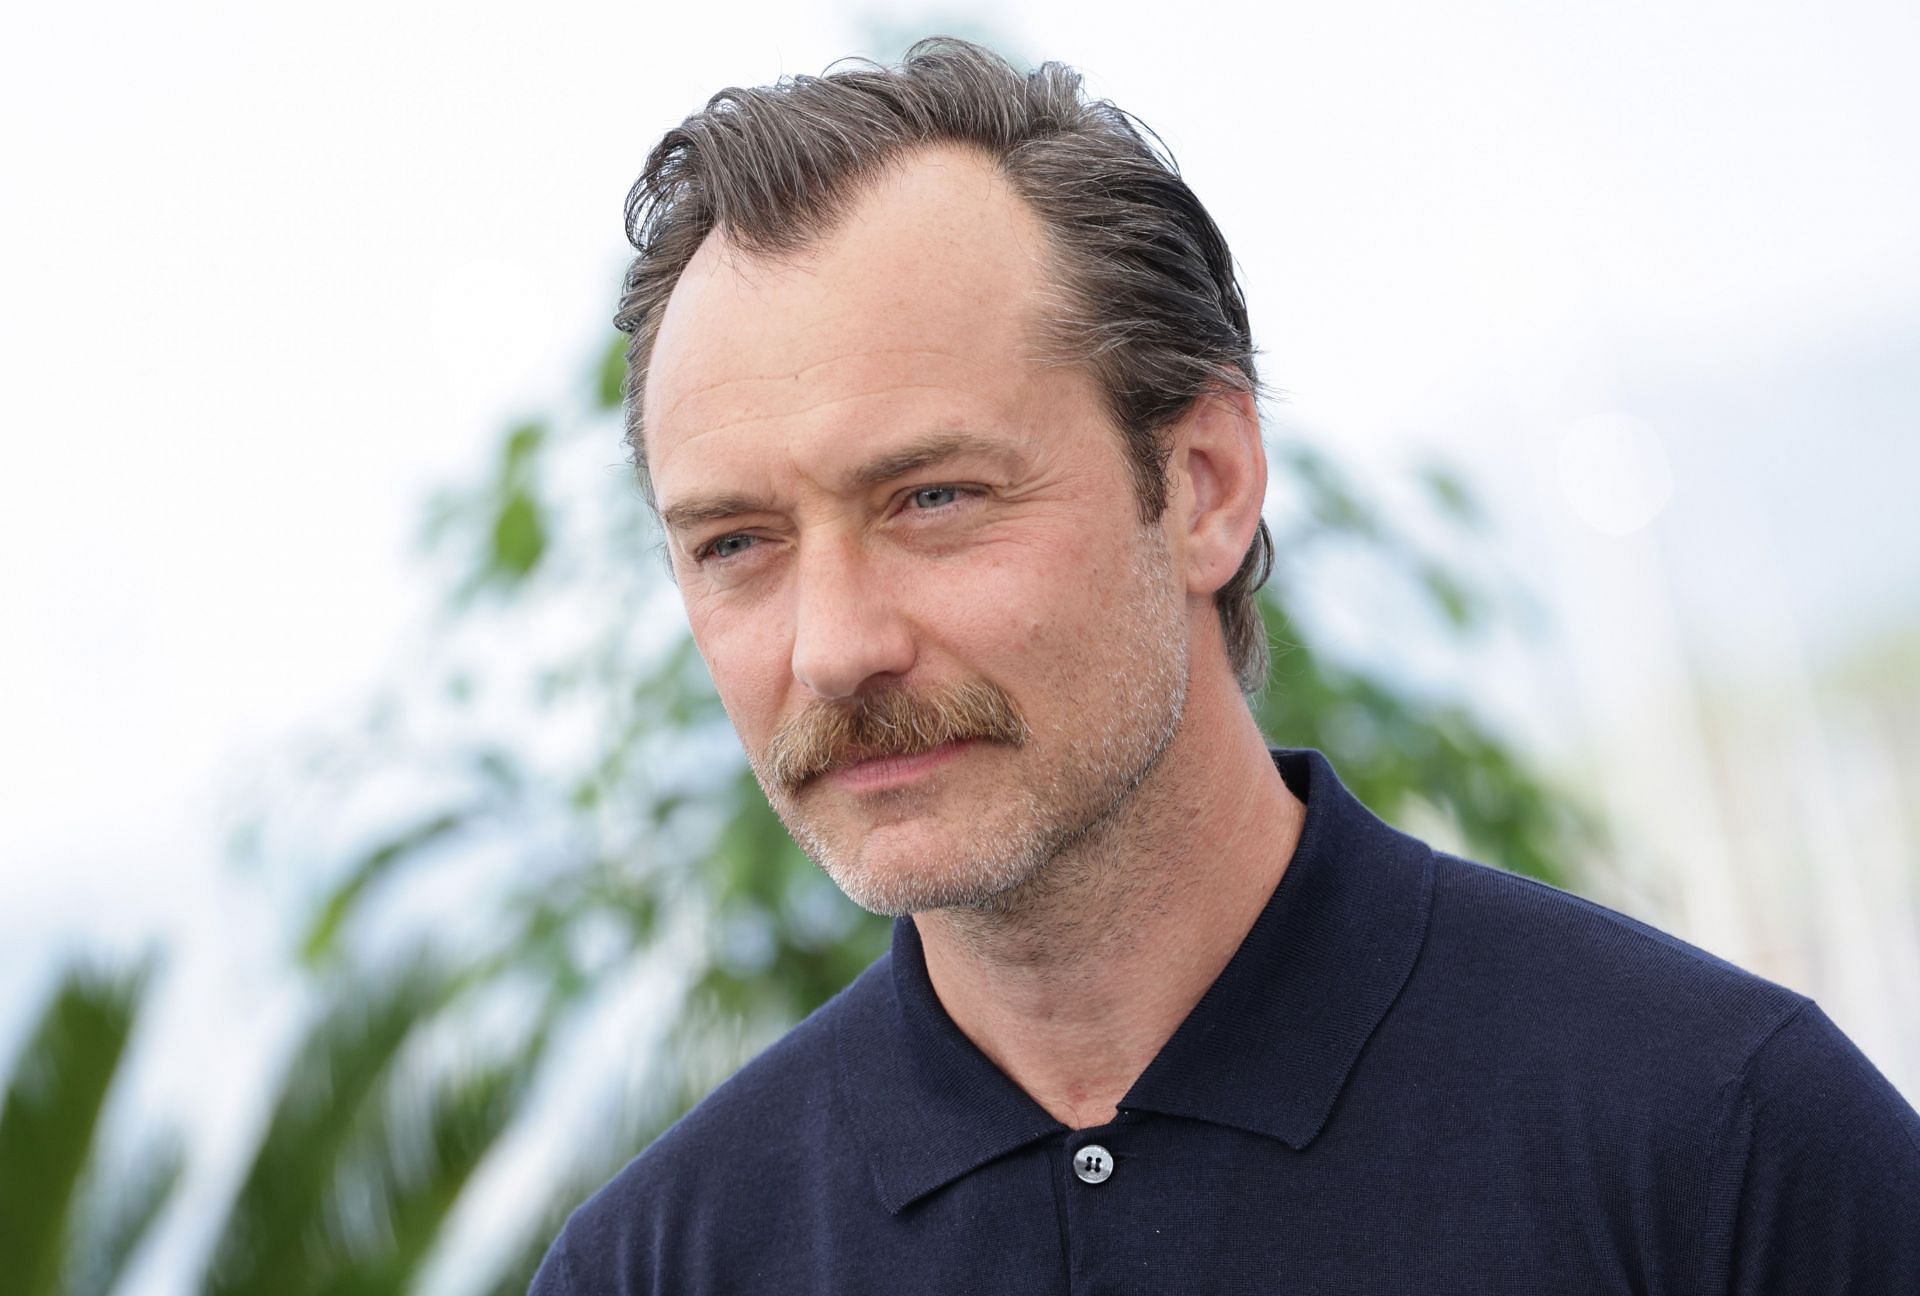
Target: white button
[{"x": 1093, "y": 1163}]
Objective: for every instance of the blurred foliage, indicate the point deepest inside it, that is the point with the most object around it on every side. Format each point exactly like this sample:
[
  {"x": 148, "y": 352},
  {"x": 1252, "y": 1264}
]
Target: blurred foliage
[
  {"x": 369, "y": 1141},
  {"x": 1399, "y": 751},
  {"x": 350, "y": 1184},
  {"x": 53, "y": 1106}
]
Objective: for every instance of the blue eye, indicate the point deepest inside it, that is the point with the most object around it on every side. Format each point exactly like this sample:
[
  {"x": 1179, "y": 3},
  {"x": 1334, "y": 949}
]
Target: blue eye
[
  {"x": 933, "y": 497},
  {"x": 728, "y": 546}
]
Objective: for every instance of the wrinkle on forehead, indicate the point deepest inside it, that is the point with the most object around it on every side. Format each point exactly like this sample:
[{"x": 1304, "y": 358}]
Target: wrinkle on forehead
[
  {"x": 790, "y": 376},
  {"x": 879, "y": 378}
]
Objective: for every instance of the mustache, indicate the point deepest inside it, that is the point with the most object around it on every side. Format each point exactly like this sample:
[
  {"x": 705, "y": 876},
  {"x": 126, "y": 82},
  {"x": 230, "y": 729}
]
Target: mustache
[{"x": 897, "y": 722}]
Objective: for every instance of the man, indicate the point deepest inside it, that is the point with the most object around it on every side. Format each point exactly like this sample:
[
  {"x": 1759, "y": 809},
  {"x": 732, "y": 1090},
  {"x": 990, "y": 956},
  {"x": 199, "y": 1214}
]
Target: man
[{"x": 943, "y": 388}]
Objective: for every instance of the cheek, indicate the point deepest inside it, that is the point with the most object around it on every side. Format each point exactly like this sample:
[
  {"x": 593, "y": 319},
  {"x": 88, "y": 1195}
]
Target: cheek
[
  {"x": 1012, "y": 610},
  {"x": 749, "y": 657}
]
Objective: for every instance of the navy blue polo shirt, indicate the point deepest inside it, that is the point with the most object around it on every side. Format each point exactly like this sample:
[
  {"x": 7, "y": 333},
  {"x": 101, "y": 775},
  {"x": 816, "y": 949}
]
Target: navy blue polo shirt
[{"x": 1417, "y": 1074}]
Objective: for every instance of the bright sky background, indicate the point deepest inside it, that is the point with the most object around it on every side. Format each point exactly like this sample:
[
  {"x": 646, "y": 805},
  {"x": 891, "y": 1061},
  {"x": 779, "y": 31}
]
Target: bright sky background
[{"x": 271, "y": 273}]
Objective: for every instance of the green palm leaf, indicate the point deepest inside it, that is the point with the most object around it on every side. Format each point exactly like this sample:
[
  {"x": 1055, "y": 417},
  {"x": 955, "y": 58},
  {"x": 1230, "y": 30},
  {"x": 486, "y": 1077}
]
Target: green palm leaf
[
  {"x": 408, "y": 1166},
  {"x": 117, "y": 1206},
  {"x": 47, "y": 1126},
  {"x": 277, "y": 1229}
]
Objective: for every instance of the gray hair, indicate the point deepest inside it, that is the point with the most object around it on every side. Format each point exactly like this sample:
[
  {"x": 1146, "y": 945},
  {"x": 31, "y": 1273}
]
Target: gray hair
[{"x": 1146, "y": 295}]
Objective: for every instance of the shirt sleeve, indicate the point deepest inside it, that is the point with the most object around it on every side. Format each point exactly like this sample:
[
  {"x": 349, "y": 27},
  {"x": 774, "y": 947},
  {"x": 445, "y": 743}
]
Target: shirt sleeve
[{"x": 1820, "y": 1166}]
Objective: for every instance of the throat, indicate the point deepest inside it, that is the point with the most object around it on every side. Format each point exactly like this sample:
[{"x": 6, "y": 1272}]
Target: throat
[{"x": 1074, "y": 988}]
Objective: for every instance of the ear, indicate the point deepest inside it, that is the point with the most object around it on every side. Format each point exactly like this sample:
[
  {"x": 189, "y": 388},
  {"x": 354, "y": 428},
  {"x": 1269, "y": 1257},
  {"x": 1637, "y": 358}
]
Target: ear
[{"x": 1218, "y": 478}]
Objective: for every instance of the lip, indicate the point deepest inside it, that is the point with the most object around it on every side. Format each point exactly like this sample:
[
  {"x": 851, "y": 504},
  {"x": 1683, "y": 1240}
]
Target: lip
[{"x": 884, "y": 772}]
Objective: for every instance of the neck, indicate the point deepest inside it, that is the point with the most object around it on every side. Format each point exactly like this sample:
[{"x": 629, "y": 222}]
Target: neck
[{"x": 1073, "y": 987}]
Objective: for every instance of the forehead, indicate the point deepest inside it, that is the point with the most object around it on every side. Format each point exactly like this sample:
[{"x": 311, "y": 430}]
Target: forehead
[{"x": 924, "y": 296}]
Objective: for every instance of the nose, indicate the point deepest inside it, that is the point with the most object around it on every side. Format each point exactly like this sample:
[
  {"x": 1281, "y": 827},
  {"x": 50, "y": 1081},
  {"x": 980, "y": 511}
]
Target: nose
[{"x": 847, "y": 628}]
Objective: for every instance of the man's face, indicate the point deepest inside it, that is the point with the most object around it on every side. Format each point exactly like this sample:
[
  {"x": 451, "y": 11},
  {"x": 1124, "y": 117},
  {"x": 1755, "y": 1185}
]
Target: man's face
[{"x": 898, "y": 532}]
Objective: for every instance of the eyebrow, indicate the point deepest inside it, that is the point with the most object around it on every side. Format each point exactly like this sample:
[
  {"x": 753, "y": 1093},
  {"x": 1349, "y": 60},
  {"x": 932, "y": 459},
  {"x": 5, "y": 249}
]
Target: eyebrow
[
  {"x": 709, "y": 508},
  {"x": 923, "y": 452}
]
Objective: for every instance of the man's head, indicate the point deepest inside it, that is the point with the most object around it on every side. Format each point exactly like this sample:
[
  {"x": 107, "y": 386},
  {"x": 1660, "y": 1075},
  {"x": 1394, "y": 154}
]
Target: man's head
[
  {"x": 1142, "y": 286},
  {"x": 942, "y": 385}
]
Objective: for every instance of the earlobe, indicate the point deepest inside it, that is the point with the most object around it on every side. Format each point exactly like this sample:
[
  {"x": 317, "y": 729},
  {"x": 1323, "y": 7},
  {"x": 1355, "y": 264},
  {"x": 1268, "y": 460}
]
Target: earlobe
[{"x": 1224, "y": 461}]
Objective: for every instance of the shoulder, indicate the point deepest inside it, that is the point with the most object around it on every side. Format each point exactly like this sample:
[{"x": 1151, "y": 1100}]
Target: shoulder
[
  {"x": 1809, "y": 1098},
  {"x": 756, "y": 1140},
  {"x": 1552, "y": 1011},
  {"x": 1807, "y": 1083},
  {"x": 1641, "y": 1061},
  {"x": 1714, "y": 1116},
  {"x": 1592, "y": 980},
  {"x": 1816, "y": 1184}
]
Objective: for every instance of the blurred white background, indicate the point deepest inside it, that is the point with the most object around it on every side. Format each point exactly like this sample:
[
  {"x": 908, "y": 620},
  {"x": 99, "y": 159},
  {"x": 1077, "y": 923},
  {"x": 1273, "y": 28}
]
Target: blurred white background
[{"x": 1645, "y": 275}]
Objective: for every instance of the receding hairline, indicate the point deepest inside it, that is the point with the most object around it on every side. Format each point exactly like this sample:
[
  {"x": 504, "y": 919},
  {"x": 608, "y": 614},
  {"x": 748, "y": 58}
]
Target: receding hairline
[{"x": 722, "y": 249}]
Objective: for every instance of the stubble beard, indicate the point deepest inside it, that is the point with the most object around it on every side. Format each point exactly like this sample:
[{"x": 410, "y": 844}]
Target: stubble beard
[{"x": 1076, "y": 784}]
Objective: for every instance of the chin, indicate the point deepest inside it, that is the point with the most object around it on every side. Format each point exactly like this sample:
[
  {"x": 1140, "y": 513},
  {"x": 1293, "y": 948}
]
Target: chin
[{"x": 903, "y": 873}]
